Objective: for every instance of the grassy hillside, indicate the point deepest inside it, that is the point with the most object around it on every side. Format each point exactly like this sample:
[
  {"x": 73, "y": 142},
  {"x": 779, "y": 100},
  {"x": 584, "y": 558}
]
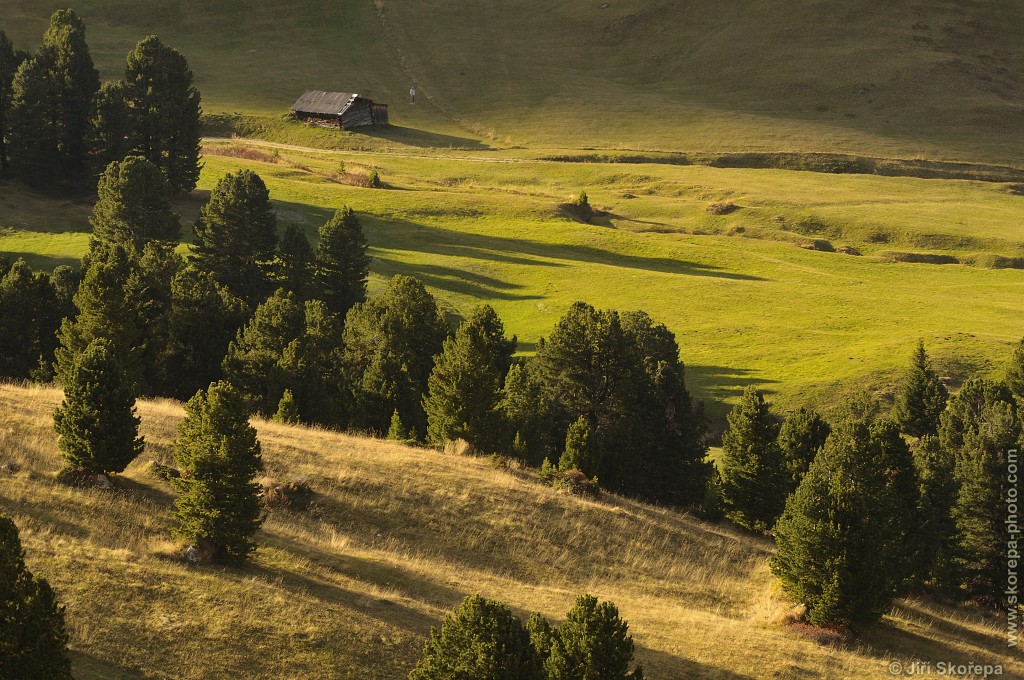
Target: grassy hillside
[
  {"x": 933, "y": 79},
  {"x": 747, "y": 302},
  {"x": 396, "y": 537}
]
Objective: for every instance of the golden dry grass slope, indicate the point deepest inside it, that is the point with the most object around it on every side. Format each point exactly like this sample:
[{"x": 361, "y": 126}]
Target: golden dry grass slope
[{"x": 395, "y": 538}]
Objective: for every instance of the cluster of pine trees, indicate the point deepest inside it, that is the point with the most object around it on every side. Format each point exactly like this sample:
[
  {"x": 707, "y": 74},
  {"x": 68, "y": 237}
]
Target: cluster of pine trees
[
  {"x": 483, "y": 639},
  {"x": 59, "y": 128},
  {"x": 872, "y": 505}
]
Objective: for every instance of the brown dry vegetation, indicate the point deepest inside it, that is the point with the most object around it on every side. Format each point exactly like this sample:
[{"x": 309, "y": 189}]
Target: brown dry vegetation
[{"x": 394, "y": 538}]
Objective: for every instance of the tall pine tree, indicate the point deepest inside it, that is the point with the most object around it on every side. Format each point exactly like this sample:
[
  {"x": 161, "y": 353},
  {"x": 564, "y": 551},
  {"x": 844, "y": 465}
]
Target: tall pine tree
[
  {"x": 342, "y": 265},
  {"x": 96, "y": 422},
  {"x": 921, "y": 398},
  {"x": 581, "y": 451},
  {"x": 107, "y": 310},
  {"x": 29, "y": 318},
  {"x": 236, "y": 235},
  {"x": 110, "y": 135},
  {"x": 844, "y": 539},
  {"x": 254, "y": 360},
  {"x": 204, "y": 317},
  {"x": 77, "y": 81},
  {"x": 464, "y": 390},
  {"x": 33, "y": 637},
  {"x": 295, "y": 257},
  {"x": 801, "y": 437},
  {"x": 134, "y": 205},
  {"x": 34, "y": 123},
  {"x": 10, "y": 60},
  {"x": 218, "y": 506},
  {"x": 1015, "y": 371},
  {"x": 390, "y": 343},
  {"x": 165, "y": 111},
  {"x": 980, "y": 510},
  {"x": 754, "y": 478}
]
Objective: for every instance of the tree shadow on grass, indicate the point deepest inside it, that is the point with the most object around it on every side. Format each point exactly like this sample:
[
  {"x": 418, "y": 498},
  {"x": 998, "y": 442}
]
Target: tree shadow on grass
[
  {"x": 886, "y": 640},
  {"x": 405, "y": 235},
  {"x": 726, "y": 381},
  {"x": 421, "y": 138},
  {"x": 385, "y": 576},
  {"x": 454, "y": 280},
  {"x": 41, "y": 262},
  {"x": 89, "y": 667},
  {"x": 658, "y": 664}
]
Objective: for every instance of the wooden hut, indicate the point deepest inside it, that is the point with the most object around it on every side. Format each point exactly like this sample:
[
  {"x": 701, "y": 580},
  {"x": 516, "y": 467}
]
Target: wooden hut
[{"x": 343, "y": 110}]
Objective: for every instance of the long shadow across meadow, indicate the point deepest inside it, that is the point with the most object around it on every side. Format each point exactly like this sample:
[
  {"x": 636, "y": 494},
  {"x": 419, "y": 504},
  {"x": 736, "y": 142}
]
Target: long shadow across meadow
[{"x": 405, "y": 235}]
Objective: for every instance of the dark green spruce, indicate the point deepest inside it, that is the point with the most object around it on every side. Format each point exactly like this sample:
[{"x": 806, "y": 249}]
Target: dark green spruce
[
  {"x": 754, "y": 477},
  {"x": 218, "y": 507},
  {"x": 464, "y": 390},
  {"x": 96, "y": 422},
  {"x": 33, "y": 636}
]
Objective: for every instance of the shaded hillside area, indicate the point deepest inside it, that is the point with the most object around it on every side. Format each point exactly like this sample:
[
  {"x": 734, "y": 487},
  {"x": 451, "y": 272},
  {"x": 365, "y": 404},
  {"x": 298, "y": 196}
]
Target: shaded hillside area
[
  {"x": 393, "y": 539},
  {"x": 929, "y": 79}
]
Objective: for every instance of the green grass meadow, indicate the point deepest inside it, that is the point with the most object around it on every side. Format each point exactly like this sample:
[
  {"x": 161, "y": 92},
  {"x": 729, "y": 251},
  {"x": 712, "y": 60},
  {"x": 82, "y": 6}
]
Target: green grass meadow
[
  {"x": 473, "y": 210},
  {"x": 748, "y": 304}
]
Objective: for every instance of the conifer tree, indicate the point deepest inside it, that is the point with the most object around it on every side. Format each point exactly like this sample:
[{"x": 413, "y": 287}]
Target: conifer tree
[
  {"x": 33, "y": 123},
  {"x": 390, "y": 342},
  {"x": 1015, "y": 372},
  {"x": 342, "y": 265},
  {"x": 253, "y": 362},
  {"x": 801, "y": 437},
  {"x": 165, "y": 108},
  {"x": 481, "y": 639},
  {"x": 754, "y": 479},
  {"x": 218, "y": 506},
  {"x": 204, "y": 317},
  {"x": 77, "y": 81},
  {"x": 938, "y": 491},
  {"x": 844, "y": 544},
  {"x": 96, "y": 422},
  {"x": 592, "y": 643},
  {"x": 134, "y": 205},
  {"x": 542, "y": 635},
  {"x": 464, "y": 390},
  {"x": 314, "y": 368},
  {"x": 110, "y": 135},
  {"x": 287, "y": 410},
  {"x": 295, "y": 346},
  {"x": 921, "y": 398},
  {"x": 528, "y": 416},
  {"x": 296, "y": 262},
  {"x": 581, "y": 451},
  {"x": 33, "y": 637},
  {"x": 149, "y": 290},
  {"x": 980, "y": 510},
  {"x": 28, "y": 320},
  {"x": 396, "y": 429},
  {"x": 10, "y": 60},
  {"x": 236, "y": 235},
  {"x": 624, "y": 374},
  {"x": 107, "y": 310}
]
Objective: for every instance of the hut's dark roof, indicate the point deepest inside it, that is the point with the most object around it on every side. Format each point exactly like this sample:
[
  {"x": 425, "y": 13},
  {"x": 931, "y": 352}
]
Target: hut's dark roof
[{"x": 324, "y": 103}]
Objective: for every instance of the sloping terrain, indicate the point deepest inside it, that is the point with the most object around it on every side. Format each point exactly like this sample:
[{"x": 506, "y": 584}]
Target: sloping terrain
[
  {"x": 393, "y": 539},
  {"x": 932, "y": 78}
]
